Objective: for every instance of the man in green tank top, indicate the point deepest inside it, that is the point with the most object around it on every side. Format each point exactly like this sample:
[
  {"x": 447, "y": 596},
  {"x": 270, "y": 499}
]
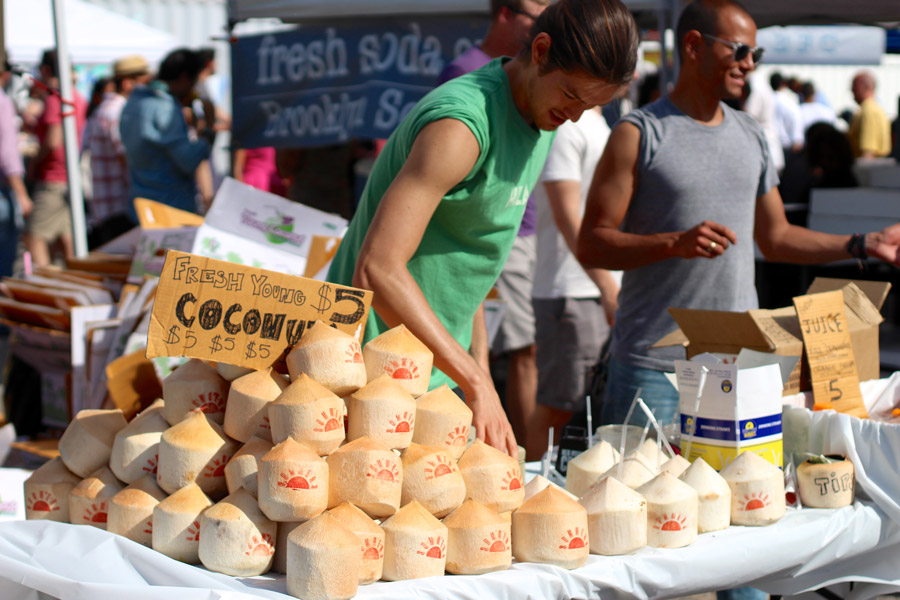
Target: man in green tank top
[{"x": 446, "y": 195}]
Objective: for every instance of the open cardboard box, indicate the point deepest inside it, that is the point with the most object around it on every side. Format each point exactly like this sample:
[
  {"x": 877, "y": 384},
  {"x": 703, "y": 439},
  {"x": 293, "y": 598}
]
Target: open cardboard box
[{"x": 724, "y": 333}]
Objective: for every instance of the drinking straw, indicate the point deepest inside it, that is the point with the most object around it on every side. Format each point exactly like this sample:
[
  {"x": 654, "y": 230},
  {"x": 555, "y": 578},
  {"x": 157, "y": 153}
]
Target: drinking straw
[
  {"x": 637, "y": 397},
  {"x": 656, "y": 425},
  {"x": 590, "y": 422},
  {"x": 693, "y": 428},
  {"x": 546, "y": 465}
]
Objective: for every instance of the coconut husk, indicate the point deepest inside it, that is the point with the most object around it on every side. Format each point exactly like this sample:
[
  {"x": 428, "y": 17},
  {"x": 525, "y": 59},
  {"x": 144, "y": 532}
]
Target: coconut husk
[
  {"x": 323, "y": 560},
  {"x": 86, "y": 444},
  {"x": 431, "y": 476},
  {"x": 236, "y": 538},
  {"x": 241, "y": 470},
  {"x": 383, "y": 411},
  {"x": 672, "y": 512},
  {"x": 130, "y": 511},
  {"x": 231, "y": 372},
  {"x": 279, "y": 560},
  {"x": 492, "y": 477},
  {"x": 195, "y": 450},
  {"x": 176, "y": 524},
  {"x": 309, "y": 413},
  {"x": 617, "y": 518},
  {"x": 415, "y": 544},
  {"x": 478, "y": 540},
  {"x": 551, "y": 528},
  {"x": 826, "y": 485},
  {"x": 194, "y": 385},
  {"x": 47, "y": 492},
  {"x": 371, "y": 538},
  {"x": 757, "y": 490},
  {"x": 89, "y": 500},
  {"x": 675, "y": 466},
  {"x": 402, "y": 356},
  {"x": 293, "y": 482},
  {"x": 135, "y": 449},
  {"x": 539, "y": 482},
  {"x": 371, "y": 477},
  {"x": 714, "y": 510},
  {"x": 585, "y": 469},
  {"x": 443, "y": 419},
  {"x": 656, "y": 456},
  {"x": 247, "y": 412},
  {"x": 635, "y": 472},
  {"x": 331, "y": 357}
]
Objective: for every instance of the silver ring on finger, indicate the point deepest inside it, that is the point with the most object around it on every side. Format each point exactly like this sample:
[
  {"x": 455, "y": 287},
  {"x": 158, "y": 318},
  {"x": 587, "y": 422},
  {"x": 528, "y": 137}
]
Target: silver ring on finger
[{"x": 712, "y": 246}]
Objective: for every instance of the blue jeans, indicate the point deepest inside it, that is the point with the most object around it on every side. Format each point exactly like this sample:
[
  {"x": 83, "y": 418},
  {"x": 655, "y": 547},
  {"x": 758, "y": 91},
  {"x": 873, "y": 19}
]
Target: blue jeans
[
  {"x": 11, "y": 225},
  {"x": 622, "y": 383},
  {"x": 741, "y": 593}
]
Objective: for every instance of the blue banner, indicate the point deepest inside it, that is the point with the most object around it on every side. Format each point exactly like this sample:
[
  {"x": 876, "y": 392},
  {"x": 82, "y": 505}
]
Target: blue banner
[
  {"x": 326, "y": 83},
  {"x": 723, "y": 430}
]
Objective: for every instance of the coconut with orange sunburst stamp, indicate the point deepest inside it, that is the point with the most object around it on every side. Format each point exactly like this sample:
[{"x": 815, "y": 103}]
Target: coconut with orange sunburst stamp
[
  {"x": 383, "y": 411},
  {"x": 672, "y": 507},
  {"x": 617, "y": 518},
  {"x": 415, "y": 544},
  {"x": 195, "y": 385},
  {"x": 368, "y": 474},
  {"x": 714, "y": 495},
  {"x": 492, "y": 477},
  {"x": 293, "y": 482},
  {"x": 88, "y": 499},
  {"x": 135, "y": 448},
  {"x": 431, "y": 476},
  {"x": 478, "y": 540},
  {"x": 442, "y": 419},
  {"x": 47, "y": 492},
  {"x": 236, "y": 538},
  {"x": 402, "y": 356},
  {"x": 757, "y": 490},
  {"x": 323, "y": 560},
  {"x": 310, "y": 413},
  {"x": 176, "y": 524},
  {"x": 195, "y": 450},
  {"x": 130, "y": 512},
  {"x": 331, "y": 357},
  {"x": 371, "y": 540},
  {"x": 248, "y": 401},
  {"x": 551, "y": 528}
]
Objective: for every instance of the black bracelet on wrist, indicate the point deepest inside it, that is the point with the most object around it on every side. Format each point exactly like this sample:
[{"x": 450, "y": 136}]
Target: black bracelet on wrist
[{"x": 856, "y": 247}]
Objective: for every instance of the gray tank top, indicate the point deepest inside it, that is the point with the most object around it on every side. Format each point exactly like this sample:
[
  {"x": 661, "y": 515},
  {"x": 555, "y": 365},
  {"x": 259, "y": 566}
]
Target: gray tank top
[{"x": 687, "y": 173}]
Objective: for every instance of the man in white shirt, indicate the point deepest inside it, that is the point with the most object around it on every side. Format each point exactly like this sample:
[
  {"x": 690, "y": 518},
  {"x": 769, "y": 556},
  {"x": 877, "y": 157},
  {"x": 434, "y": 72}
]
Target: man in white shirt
[
  {"x": 787, "y": 116},
  {"x": 812, "y": 111}
]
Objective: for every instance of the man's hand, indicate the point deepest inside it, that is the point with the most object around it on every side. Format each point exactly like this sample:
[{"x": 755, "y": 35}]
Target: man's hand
[
  {"x": 885, "y": 244},
  {"x": 489, "y": 419},
  {"x": 25, "y": 204},
  {"x": 706, "y": 240}
]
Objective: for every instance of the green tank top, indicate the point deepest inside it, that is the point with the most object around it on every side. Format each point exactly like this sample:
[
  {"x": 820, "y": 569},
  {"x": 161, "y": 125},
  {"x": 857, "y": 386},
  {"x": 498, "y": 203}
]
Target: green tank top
[{"x": 468, "y": 239}]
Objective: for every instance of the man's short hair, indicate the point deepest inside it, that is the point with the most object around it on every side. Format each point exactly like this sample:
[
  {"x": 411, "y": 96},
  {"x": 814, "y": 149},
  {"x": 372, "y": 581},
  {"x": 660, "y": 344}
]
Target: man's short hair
[
  {"x": 496, "y": 5},
  {"x": 49, "y": 60},
  {"x": 182, "y": 61},
  {"x": 702, "y": 16},
  {"x": 808, "y": 90},
  {"x": 776, "y": 81}
]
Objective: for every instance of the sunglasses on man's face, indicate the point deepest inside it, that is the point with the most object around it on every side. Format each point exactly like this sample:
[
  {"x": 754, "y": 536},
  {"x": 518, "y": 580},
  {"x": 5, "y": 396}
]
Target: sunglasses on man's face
[
  {"x": 740, "y": 50},
  {"x": 518, "y": 11}
]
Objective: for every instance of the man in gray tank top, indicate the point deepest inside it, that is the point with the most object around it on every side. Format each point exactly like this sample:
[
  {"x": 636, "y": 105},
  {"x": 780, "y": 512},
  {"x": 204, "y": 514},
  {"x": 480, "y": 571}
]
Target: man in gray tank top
[{"x": 685, "y": 186}]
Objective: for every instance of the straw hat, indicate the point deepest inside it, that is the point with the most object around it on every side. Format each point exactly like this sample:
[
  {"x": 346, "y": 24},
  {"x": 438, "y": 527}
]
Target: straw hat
[{"x": 130, "y": 66}]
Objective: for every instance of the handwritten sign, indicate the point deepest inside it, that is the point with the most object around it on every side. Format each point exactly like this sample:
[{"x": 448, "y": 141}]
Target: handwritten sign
[
  {"x": 832, "y": 365},
  {"x": 215, "y": 310}
]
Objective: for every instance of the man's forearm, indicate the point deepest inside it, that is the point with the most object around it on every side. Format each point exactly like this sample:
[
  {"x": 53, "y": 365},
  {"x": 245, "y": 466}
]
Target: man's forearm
[{"x": 607, "y": 248}]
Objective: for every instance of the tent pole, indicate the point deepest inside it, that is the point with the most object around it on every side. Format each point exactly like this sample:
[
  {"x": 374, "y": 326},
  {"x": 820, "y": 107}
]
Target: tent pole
[{"x": 70, "y": 132}]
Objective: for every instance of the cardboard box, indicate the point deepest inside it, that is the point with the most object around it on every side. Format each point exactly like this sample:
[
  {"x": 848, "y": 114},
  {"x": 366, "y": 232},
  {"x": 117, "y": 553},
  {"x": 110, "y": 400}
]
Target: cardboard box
[{"x": 724, "y": 333}]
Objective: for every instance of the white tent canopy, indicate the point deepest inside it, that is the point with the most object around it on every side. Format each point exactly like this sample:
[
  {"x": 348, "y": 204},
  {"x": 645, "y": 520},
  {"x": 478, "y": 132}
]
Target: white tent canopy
[{"x": 95, "y": 35}]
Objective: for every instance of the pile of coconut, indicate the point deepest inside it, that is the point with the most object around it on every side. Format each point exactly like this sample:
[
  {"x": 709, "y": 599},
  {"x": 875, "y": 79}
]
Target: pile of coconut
[{"x": 349, "y": 471}]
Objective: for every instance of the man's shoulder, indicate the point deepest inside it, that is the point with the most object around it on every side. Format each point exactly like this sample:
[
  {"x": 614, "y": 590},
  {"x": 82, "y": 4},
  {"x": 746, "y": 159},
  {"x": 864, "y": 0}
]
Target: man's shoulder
[{"x": 470, "y": 60}]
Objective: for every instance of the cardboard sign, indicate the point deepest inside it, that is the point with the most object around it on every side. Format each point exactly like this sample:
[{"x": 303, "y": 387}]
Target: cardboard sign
[
  {"x": 321, "y": 253},
  {"x": 215, "y": 310},
  {"x": 832, "y": 365},
  {"x": 156, "y": 215}
]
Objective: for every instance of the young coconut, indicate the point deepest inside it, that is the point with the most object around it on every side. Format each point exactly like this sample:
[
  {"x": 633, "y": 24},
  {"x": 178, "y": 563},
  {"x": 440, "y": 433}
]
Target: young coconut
[
  {"x": 196, "y": 449},
  {"x": 402, "y": 356},
  {"x": 323, "y": 560},
  {"x": 430, "y": 475},
  {"x": 247, "y": 412},
  {"x": 368, "y": 474},
  {"x": 443, "y": 420},
  {"x": 584, "y": 470},
  {"x": 231, "y": 372},
  {"x": 176, "y": 524},
  {"x": 86, "y": 444},
  {"x": 636, "y": 471},
  {"x": 617, "y": 518},
  {"x": 415, "y": 544},
  {"x": 757, "y": 490},
  {"x": 492, "y": 477},
  {"x": 331, "y": 357},
  {"x": 713, "y": 493},
  {"x": 241, "y": 470},
  {"x": 672, "y": 508},
  {"x": 551, "y": 528},
  {"x": 382, "y": 410},
  {"x": 826, "y": 482},
  {"x": 89, "y": 500},
  {"x": 47, "y": 491},
  {"x": 371, "y": 540},
  {"x": 236, "y": 538},
  {"x": 675, "y": 466},
  {"x": 309, "y": 413},
  {"x": 135, "y": 450},
  {"x": 539, "y": 482},
  {"x": 293, "y": 482},
  {"x": 655, "y": 454},
  {"x": 194, "y": 385},
  {"x": 130, "y": 511},
  {"x": 477, "y": 540},
  {"x": 279, "y": 560}
]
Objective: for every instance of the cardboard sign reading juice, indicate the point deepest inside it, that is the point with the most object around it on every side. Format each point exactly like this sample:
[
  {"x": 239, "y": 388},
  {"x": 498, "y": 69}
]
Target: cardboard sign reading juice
[{"x": 221, "y": 311}]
